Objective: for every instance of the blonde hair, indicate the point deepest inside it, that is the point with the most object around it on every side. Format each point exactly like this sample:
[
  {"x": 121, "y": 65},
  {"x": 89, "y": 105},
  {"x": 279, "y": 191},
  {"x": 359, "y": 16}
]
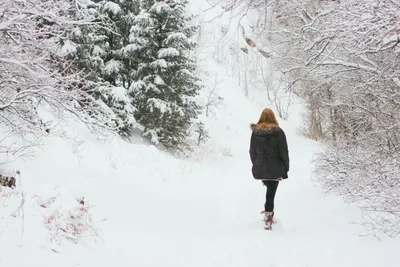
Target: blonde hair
[{"x": 267, "y": 119}]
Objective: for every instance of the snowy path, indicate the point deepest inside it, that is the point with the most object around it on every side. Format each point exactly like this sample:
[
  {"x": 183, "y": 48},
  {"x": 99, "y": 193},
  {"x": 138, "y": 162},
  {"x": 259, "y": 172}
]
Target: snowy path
[
  {"x": 213, "y": 220},
  {"x": 210, "y": 216}
]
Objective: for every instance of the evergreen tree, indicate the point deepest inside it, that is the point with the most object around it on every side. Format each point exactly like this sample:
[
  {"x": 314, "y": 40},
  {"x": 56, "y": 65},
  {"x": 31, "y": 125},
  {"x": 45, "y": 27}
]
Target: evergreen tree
[
  {"x": 99, "y": 51},
  {"x": 165, "y": 81},
  {"x": 122, "y": 14}
]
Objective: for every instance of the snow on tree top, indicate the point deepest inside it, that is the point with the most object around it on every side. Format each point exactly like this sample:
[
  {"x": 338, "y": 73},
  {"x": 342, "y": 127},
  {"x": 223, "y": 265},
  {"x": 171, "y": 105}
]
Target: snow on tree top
[
  {"x": 159, "y": 63},
  {"x": 158, "y": 80},
  {"x": 176, "y": 36},
  {"x": 130, "y": 48},
  {"x": 168, "y": 52},
  {"x": 159, "y": 7},
  {"x": 120, "y": 93},
  {"x": 112, "y": 66},
  {"x": 153, "y": 135},
  {"x": 156, "y": 103},
  {"x": 136, "y": 86},
  {"x": 98, "y": 51},
  {"x": 113, "y": 8},
  {"x": 164, "y": 107},
  {"x": 186, "y": 72},
  {"x": 142, "y": 21},
  {"x": 85, "y": 3}
]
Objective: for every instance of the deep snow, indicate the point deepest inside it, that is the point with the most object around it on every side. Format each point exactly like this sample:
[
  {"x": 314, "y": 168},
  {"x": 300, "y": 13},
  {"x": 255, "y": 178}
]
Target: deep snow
[{"x": 156, "y": 210}]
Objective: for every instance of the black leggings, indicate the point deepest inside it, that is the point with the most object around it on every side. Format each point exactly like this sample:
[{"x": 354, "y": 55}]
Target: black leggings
[{"x": 272, "y": 186}]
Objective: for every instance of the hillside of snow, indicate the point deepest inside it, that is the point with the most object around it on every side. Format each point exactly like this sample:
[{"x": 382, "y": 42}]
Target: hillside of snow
[{"x": 85, "y": 200}]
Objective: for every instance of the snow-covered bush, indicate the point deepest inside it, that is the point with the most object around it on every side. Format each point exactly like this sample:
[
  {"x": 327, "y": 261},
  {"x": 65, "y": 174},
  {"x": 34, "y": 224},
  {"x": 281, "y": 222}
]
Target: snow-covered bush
[
  {"x": 12, "y": 202},
  {"x": 366, "y": 177},
  {"x": 201, "y": 131},
  {"x": 9, "y": 152},
  {"x": 213, "y": 100},
  {"x": 70, "y": 224}
]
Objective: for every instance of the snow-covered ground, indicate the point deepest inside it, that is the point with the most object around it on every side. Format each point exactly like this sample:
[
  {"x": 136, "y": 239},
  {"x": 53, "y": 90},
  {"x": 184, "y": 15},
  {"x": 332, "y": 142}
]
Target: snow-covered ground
[{"x": 151, "y": 209}]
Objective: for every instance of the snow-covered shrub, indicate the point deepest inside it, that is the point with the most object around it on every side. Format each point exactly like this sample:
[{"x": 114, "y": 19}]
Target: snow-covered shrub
[
  {"x": 283, "y": 101},
  {"x": 213, "y": 99},
  {"x": 8, "y": 153},
  {"x": 201, "y": 132},
  {"x": 70, "y": 224},
  {"x": 46, "y": 202},
  {"x": 12, "y": 204},
  {"x": 6, "y": 194},
  {"x": 364, "y": 176}
]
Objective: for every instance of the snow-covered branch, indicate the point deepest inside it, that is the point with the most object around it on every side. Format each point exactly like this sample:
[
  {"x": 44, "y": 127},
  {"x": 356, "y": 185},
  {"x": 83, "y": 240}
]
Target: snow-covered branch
[
  {"x": 33, "y": 68},
  {"x": 347, "y": 64},
  {"x": 23, "y": 65}
]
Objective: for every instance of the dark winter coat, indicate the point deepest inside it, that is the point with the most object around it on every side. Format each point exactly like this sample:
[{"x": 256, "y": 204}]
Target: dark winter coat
[{"x": 269, "y": 153}]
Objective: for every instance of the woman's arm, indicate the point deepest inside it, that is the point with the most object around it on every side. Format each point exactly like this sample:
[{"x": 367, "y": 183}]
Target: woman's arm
[
  {"x": 253, "y": 154},
  {"x": 283, "y": 149}
]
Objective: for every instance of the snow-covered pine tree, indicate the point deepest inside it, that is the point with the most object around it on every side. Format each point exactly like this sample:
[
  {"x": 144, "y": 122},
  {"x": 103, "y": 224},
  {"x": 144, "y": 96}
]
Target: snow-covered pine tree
[
  {"x": 118, "y": 63},
  {"x": 165, "y": 83},
  {"x": 99, "y": 52}
]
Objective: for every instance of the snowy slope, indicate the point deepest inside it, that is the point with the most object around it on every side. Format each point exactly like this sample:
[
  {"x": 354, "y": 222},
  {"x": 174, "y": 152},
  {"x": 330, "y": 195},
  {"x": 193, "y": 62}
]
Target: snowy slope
[{"x": 155, "y": 210}]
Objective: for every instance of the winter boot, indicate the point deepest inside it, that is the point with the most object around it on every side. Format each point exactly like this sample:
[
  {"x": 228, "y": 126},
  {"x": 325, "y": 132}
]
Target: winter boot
[
  {"x": 273, "y": 213},
  {"x": 268, "y": 220}
]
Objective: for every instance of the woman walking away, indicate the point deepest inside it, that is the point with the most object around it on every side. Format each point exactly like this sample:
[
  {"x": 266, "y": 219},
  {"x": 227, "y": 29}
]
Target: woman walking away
[{"x": 270, "y": 157}]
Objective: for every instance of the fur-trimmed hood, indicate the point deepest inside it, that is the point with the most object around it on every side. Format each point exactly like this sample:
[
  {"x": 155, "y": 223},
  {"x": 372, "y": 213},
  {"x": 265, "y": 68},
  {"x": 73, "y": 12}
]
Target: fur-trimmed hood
[{"x": 264, "y": 128}]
